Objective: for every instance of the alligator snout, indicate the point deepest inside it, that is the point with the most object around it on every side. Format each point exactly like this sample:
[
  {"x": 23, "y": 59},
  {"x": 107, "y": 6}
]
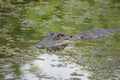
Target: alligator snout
[{"x": 52, "y": 45}]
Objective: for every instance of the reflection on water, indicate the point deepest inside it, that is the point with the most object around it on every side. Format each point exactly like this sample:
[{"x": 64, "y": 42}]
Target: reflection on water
[{"x": 50, "y": 67}]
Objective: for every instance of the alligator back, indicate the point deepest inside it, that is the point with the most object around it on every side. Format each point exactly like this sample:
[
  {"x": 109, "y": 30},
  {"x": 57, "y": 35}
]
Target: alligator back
[{"x": 96, "y": 34}]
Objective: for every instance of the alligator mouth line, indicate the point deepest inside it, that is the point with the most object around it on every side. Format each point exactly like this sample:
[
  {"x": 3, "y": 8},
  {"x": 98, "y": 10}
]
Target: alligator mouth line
[{"x": 63, "y": 43}]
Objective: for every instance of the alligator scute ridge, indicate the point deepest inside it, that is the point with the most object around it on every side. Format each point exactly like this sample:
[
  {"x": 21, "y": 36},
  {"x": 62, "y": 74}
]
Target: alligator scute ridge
[{"x": 59, "y": 40}]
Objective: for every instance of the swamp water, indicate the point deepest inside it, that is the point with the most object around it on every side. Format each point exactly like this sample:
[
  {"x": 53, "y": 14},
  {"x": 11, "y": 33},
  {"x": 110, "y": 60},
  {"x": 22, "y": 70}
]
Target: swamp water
[{"x": 24, "y": 24}]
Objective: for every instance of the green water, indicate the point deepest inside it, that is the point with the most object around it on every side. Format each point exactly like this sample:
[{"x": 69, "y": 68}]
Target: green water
[{"x": 24, "y": 23}]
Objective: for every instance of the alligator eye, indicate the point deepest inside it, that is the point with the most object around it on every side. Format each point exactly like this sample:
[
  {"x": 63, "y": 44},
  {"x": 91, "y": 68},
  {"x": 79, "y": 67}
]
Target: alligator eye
[{"x": 58, "y": 36}]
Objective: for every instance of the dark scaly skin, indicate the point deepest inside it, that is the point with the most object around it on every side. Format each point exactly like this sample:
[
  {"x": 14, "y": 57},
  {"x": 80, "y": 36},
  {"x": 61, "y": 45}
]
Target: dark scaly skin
[
  {"x": 96, "y": 34},
  {"x": 59, "y": 40}
]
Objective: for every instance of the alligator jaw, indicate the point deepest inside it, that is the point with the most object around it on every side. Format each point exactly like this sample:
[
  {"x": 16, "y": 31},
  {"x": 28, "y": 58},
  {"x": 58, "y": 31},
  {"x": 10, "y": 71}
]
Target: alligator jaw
[{"x": 57, "y": 45}]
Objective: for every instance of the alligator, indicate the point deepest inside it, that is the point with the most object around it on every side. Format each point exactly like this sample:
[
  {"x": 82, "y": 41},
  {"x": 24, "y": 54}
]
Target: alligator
[{"x": 59, "y": 40}]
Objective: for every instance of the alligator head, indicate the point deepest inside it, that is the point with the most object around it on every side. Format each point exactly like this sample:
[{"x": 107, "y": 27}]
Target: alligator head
[{"x": 54, "y": 41}]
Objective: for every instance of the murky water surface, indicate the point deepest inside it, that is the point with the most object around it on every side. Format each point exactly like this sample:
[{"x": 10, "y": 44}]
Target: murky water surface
[
  {"x": 24, "y": 23},
  {"x": 51, "y": 67}
]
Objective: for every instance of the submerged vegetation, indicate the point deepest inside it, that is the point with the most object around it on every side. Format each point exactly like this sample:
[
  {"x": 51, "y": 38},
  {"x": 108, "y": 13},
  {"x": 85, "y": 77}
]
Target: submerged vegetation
[{"x": 23, "y": 23}]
